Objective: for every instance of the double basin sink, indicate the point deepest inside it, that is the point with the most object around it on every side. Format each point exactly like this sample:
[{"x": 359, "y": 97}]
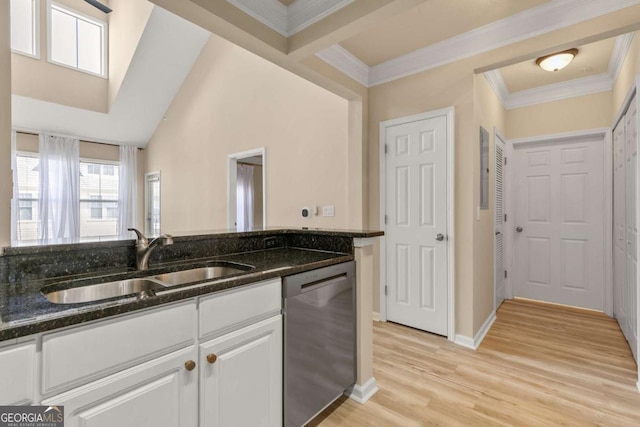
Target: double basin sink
[{"x": 146, "y": 286}]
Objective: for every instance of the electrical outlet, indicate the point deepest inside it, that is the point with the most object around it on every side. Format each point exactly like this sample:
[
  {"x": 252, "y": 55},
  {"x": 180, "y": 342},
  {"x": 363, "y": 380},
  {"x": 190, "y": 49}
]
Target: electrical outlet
[{"x": 328, "y": 211}]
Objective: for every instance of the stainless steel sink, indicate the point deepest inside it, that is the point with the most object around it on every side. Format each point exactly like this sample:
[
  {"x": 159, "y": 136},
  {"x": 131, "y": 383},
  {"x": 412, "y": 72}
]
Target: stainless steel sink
[
  {"x": 142, "y": 287},
  {"x": 200, "y": 274}
]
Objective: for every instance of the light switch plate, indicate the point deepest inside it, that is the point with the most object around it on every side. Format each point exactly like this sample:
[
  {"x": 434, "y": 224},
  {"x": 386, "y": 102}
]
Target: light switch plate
[{"x": 328, "y": 211}]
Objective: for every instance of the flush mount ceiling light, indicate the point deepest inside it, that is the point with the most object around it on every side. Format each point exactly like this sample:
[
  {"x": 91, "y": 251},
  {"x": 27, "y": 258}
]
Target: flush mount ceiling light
[
  {"x": 97, "y": 4},
  {"x": 557, "y": 61}
]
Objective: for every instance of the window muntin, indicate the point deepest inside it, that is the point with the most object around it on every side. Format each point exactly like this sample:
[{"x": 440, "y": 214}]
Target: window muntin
[
  {"x": 77, "y": 41},
  {"x": 25, "y": 27}
]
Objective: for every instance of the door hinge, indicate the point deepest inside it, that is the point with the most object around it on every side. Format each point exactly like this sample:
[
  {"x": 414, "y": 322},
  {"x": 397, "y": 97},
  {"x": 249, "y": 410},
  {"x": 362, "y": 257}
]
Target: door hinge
[
  {"x": 505, "y": 274},
  {"x": 386, "y": 148},
  {"x": 385, "y": 290},
  {"x": 505, "y": 217},
  {"x": 385, "y": 219},
  {"x": 505, "y": 160}
]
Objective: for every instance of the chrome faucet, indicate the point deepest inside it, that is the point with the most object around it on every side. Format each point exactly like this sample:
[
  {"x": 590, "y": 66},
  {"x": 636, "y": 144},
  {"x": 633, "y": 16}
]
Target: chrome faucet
[{"x": 144, "y": 247}]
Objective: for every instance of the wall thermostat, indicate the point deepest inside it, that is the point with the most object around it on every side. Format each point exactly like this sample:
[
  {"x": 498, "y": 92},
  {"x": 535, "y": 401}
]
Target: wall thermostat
[{"x": 305, "y": 212}]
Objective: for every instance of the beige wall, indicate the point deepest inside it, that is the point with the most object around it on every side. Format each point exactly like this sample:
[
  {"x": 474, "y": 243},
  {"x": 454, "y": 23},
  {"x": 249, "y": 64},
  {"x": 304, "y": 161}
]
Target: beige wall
[
  {"x": 234, "y": 101},
  {"x": 37, "y": 78},
  {"x": 490, "y": 114},
  {"x": 567, "y": 115},
  {"x": 626, "y": 79},
  {"x": 5, "y": 127},
  {"x": 446, "y": 86},
  {"x": 126, "y": 25}
]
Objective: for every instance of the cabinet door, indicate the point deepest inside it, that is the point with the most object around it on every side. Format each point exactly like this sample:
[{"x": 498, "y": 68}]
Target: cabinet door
[
  {"x": 158, "y": 393},
  {"x": 241, "y": 377},
  {"x": 17, "y": 374}
]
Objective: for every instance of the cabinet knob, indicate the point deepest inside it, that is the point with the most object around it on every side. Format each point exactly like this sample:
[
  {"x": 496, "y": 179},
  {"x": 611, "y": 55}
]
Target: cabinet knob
[
  {"x": 211, "y": 358},
  {"x": 190, "y": 365}
]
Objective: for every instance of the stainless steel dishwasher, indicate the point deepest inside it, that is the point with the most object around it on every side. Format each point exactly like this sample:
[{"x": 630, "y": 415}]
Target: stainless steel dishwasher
[{"x": 319, "y": 340}]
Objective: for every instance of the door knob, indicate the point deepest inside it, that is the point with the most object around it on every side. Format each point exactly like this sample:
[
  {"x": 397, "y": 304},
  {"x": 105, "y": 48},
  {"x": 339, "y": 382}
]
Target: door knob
[
  {"x": 519, "y": 229},
  {"x": 190, "y": 365},
  {"x": 440, "y": 237},
  {"x": 211, "y": 358}
]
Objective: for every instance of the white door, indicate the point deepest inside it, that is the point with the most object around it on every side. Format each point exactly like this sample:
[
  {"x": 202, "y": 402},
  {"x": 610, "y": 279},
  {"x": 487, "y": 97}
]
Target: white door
[
  {"x": 619, "y": 226},
  {"x": 499, "y": 222},
  {"x": 241, "y": 377},
  {"x": 631, "y": 234},
  {"x": 416, "y": 209},
  {"x": 559, "y": 223},
  {"x": 158, "y": 393}
]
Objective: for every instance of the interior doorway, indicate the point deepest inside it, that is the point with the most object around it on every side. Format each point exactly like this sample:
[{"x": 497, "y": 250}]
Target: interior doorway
[{"x": 246, "y": 192}]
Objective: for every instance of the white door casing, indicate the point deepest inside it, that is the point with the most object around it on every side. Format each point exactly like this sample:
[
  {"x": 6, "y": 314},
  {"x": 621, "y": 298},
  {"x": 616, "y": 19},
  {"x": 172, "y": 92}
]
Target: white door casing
[
  {"x": 232, "y": 184},
  {"x": 558, "y": 204},
  {"x": 499, "y": 212},
  {"x": 416, "y": 229},
  {"x": 619, "y": 226}
]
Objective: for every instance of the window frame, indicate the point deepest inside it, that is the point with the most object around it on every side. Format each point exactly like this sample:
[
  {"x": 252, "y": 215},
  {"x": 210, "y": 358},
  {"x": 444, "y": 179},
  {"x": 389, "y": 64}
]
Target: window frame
[
  {"x": 36, "y": 30},
  {"x": 79, "y": 15}
]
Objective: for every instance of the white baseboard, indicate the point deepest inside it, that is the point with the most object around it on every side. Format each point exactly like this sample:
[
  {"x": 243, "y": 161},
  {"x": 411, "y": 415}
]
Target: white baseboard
[
  {"x": 376, "y": 316},
  {"x": 362, "y": 393},
  {"x": 474, "y": 343}
]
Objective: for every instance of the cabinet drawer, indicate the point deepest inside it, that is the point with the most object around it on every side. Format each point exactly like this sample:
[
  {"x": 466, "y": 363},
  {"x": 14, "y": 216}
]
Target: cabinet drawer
[
  {"x": 239, "y": 306},
  {"x": 83, "y": 354},
  {"x": 17, "y": 370}
]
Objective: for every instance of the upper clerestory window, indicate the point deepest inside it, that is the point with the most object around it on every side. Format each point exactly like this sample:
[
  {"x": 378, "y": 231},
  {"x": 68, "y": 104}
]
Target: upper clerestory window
[
  {"x": 76, "y": 40},
  {"x": 25, "y": 27}
]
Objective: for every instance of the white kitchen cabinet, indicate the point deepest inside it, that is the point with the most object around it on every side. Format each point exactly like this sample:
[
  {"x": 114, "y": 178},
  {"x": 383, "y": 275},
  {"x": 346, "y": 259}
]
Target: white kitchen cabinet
[
  {"x": 17, "y": 371},
  {"x": 158, "y": 393},
  {"x": 241, "y": 377}
]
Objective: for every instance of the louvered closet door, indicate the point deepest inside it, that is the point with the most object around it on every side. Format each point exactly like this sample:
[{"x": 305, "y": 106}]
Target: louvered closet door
[{"x": 499, "y": 222}]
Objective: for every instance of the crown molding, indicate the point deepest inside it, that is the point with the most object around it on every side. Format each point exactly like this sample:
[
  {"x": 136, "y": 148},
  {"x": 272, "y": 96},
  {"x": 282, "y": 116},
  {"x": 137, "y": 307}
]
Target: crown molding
[
  {"x": 288, "y": 20},
  {"x": 620, "y": 50},
  {"x": 496, "y": 81},
  {"x": 530, "y": 23},
  {"x": 559, "y": 91},
  {"x": 343, "y": 60},
  {"x": 303, "y": 13},
  {"x": 271, "y": 13}
]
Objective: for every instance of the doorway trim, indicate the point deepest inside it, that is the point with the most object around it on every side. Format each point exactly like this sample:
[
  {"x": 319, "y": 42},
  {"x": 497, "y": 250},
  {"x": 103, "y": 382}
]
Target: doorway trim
[
  {"x": 605, "y": 135},
  {"x": 232, "y": 182},
  {"x": 449, "y": 113}
]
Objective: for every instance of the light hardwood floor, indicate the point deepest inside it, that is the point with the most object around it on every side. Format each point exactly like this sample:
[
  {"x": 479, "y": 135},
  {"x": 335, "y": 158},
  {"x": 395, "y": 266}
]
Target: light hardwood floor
[{"x": 539, "y": 366}]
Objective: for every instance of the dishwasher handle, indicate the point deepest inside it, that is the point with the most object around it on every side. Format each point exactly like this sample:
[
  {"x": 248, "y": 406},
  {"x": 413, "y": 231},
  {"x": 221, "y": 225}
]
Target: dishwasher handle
[
  {"x": 310, "y": 287},
  {"x": 311, "y": 280}
]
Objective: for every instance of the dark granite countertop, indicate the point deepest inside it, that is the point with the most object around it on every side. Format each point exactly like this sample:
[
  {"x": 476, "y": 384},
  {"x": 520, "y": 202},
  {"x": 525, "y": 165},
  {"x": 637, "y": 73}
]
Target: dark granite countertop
[{"x": 25, "y": 311}]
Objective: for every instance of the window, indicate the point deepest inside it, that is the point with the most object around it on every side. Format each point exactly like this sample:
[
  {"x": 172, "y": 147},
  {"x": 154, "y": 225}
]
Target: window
[
  {"x": 77, "y": 41},
  {"x": 25, "y": 27},
  {"x": 25, "y": 206},
  {"x": 99, "y": 183},
  {"x": 98, "y": 198}
]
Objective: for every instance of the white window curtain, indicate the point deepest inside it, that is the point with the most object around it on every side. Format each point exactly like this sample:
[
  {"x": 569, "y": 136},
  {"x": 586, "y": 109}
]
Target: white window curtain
[
  {"x": 128, "y": 191},
  {"x": 59, "y": 198},
  {"x": 244, "y": 198},
  {"x": 14, "y": 200}
]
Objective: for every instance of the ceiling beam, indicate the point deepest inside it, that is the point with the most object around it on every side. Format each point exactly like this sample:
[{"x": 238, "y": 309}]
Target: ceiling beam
[{"x": 346, "y": 22}]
